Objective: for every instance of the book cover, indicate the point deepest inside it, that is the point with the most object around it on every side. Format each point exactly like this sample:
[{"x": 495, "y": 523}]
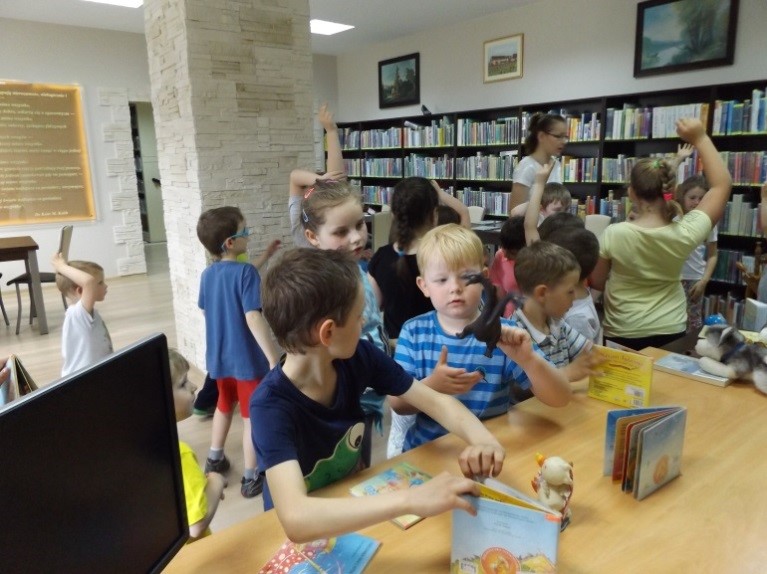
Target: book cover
[
  {"x": 622, "y": 433},
  {"x": 346, "y": 554},
  {"x": 510, "y": 533},
  {"x": 19, "y": 382},
  {"x": 625, "y": 380},
  {"x": 659, "y": 453},
  {"x": 399, "y": 477},
  {"x": 686, "y": 366},
  {"x": 610, "y": 435}
]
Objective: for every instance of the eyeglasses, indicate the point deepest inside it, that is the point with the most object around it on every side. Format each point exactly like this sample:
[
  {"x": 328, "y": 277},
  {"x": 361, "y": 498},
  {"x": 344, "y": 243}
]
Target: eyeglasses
[
  {"x": 244, "y": 233},
  {"x": 560, "y": 137}
]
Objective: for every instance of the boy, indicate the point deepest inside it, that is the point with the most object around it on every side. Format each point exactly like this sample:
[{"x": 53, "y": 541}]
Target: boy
[
  {"x": 84, "y": 336},
  {"x": 307, "y": 418},
  {"x": 548, "y": 276},
  {"x": 240, "y": 350},
  {"x": 446, "y": 256},
  {"x": 555, "y": 199},
  {"x": 202, "y": 494}
]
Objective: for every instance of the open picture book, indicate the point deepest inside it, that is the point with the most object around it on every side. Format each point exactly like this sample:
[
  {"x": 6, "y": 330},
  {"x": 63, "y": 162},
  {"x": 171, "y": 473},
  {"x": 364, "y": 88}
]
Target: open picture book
[{"x": 19, "y": 383}]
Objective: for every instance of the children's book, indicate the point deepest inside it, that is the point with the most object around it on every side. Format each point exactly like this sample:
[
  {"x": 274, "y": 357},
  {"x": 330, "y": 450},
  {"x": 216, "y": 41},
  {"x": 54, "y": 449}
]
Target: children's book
[
  {"x": 19, "y": 383},
  {"x": 650, "y": 451},
  {"x": 511, "y": 532},
  {"x": 686, "y": 366},
  {"x": 346, "y": 554},
  {"x": 625, "y": 379},
  {"x": 399, "y": 477}
]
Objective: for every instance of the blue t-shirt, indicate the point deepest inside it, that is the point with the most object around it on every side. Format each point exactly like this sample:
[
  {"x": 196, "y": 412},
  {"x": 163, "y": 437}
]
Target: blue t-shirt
[
  {"x": 418, "y": 349},
  {"x": 228, "y": 290},
  {"x": 326, "y": 441}
]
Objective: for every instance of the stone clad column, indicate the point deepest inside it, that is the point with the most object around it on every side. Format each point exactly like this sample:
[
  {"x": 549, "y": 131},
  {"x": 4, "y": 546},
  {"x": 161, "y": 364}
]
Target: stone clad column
[{"x": 232, "y": 98}]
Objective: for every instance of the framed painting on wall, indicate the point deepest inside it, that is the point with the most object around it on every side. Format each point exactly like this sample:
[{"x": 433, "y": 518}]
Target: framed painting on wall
[
  {"x": 399, "y": 81},
  {"x": 503, "y": 58}
]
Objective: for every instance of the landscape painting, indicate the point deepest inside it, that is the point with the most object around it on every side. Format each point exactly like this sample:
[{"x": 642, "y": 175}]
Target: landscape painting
[
  {"x": 399, "y": 81},
  {"x": 503, "y": 58},
  {"x": 680, "y": 35}
]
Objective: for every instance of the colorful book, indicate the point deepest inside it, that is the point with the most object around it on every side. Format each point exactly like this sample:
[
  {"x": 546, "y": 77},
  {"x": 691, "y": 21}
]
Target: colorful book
[
  {"x": 19, "y": 382},
  {"x": 643, "y": 448},
  {"x": 346, "y": 554},
  {"x": 511, "y": 532},
  {"x": 625, "y": 379},
  {"x": 401, "y": 476},
  {"x": 686, "y": 366}
]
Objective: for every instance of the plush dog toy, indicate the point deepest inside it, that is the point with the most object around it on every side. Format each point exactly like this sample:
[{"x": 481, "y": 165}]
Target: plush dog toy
[{"x": 726, "y": 353}]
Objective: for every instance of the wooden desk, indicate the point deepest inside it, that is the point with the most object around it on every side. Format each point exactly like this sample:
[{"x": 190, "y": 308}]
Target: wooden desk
[
  {"x": 713, "y": 518},
  {"x": 25, "y": 249}
]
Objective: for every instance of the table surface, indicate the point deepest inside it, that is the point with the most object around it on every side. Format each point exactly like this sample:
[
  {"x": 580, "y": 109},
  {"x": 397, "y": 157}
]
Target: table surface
[
  {"x": 714, "y": 516},
  {"x": 16, "y": 245}
]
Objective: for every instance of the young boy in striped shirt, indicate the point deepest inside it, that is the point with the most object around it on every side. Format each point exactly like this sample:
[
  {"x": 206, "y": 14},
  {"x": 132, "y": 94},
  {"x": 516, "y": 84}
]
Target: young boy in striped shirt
[{"x": 447, "y": 256}]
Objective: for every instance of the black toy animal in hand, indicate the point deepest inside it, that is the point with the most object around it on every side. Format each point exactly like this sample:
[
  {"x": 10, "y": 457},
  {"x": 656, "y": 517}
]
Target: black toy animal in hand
[{"x": 487, "y": 327}]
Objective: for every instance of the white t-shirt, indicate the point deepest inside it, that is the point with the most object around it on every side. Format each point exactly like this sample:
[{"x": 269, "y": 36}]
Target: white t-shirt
[
  {"x": 84, "y": 339},
  {"x": 583, "y": 317},
  {"x": 695, "y": 265},
  {"x": 526, "y": 169}
]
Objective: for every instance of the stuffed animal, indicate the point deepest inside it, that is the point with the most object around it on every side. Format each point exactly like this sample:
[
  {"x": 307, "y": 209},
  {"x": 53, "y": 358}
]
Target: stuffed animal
[
  {"x": 554, "y": 484},
  {"x": 726, "y": 353}
]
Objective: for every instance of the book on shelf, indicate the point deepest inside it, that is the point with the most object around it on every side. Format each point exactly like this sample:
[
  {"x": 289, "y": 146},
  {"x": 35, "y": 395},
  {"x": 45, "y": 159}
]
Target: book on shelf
[
  {"x": 345, "y": 554},
  {"x": 686, "y": 366},
  {"x": 625, "y": 379},
  {"x": 754, "y": 315},
  {"x": 643, "y": 448},
  {"x": 401, "y": 476},
  {"x": 511, "y": 532}
]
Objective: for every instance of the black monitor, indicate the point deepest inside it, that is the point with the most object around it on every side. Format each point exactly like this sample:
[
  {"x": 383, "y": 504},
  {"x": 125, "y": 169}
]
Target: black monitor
[{"x": 90, "y": 473}]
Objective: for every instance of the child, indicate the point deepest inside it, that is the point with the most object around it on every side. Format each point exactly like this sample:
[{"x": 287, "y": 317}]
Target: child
[
  {"x": 307, "y": 417},
  {"x": 240, "y": 350},
  {"x": 640, "y": 261},
  {"x": 699, "y": 266},
  {"x": 537, "y": 210},
  {"x": 84, "y": 336},
  {"x": 512, "y": 239},
  {"x": 202, "y": 494},
  {"x": 446, "y": 214},
  {"x": 555, "y": 199},
  {"x": 446, "y": 256}
]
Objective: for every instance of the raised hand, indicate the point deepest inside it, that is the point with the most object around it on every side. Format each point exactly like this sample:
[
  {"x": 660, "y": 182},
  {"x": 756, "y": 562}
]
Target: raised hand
[
  {"x": 690, "y": 129},
  {"x": 332, "y": 176},
  {"x": 542, "y": 173},
  {"x": 325, "y": 117}
]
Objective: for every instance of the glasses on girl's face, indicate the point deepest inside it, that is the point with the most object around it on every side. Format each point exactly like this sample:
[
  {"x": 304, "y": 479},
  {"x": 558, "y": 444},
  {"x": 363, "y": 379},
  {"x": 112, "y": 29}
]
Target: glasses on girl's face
[
  {"x": 560, "y": 137},
  {"x": 244, "y": 233}
]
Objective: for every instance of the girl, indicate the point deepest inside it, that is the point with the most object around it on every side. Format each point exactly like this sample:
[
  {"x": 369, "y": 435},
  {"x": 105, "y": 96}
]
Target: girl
[
  {"x": 700, "y": 265},
  {"x": 511, "y": 239},
  {"x": 547, "y": 136},
  {"x": 640, "y": 261}
]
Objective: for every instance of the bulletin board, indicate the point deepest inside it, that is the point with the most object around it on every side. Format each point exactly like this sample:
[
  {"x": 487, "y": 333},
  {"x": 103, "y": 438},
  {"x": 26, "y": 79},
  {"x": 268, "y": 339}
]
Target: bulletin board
[{"x": 44, "y": 168}]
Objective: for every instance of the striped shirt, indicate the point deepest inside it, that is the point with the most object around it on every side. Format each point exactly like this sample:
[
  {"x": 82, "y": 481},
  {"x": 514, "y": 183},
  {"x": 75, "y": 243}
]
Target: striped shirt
[
  {"x": 561, "y": 345},
  {"x": 418, "y": 349}
]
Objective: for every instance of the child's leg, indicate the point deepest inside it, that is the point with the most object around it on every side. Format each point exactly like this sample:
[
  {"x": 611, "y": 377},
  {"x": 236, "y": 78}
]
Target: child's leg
[
  {"x": 222, "y": 420},
  {"x": 207, "y": 397},
  {"x": 252, "y": 482}
]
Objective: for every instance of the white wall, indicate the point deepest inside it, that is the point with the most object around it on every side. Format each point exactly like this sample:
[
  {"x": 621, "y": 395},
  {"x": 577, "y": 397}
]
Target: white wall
[{"x": 572, "y": 49}]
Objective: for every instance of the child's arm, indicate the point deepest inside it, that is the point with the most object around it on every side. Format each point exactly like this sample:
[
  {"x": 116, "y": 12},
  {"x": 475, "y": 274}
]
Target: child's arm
[
  {"x": 85, "y": 281},
  {"x": 682, "y": 153},
  {"x": 300, "y": 179},
  {"x": 214, "y": 493},
  {"x": 697, "y": 290},
  {"x": 534, "y": 205},
  {"x": 376, "y": 290},
  {"x": 446, "y": 199},
  {"x": 271, "y": 249},
  {"x": 263, "y": 336},
  {"x": 598, "y": 277},
  {"x": 305, "y": 518},
  {"x": 335, "y": 160},
  {"x": 713, "y": 203}
]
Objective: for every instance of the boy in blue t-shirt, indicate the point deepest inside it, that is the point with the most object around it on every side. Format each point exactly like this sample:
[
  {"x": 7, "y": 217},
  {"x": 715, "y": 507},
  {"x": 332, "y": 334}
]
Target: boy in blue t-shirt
[
  {"x": 239, "y": 350},
  {"x": 446, "y": 256},
  {"x": 306, "y": 413}
]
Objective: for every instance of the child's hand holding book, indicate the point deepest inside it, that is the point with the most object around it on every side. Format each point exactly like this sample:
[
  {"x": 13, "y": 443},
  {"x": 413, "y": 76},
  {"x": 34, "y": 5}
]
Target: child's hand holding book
[{"x": 441, "y": 493}]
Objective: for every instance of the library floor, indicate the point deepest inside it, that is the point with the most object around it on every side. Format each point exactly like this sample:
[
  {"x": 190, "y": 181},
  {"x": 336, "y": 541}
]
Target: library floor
[{"x": 135, "y": 306}]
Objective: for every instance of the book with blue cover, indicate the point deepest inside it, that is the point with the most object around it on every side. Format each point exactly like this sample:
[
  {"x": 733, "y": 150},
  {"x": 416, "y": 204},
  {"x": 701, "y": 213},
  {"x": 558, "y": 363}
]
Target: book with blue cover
[{"x": 345, "y": 554}]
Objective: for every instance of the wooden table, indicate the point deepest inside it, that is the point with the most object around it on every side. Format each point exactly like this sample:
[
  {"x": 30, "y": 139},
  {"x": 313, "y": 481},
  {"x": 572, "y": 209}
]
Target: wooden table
[
  {"x": 25, "y": 249},
  {"x": 489, "y": 231},
  {"x": 713, "y": 518}
]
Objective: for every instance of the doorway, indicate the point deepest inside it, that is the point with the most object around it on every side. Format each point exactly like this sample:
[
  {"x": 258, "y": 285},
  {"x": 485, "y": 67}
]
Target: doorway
[{"x": 147, "y": 172}]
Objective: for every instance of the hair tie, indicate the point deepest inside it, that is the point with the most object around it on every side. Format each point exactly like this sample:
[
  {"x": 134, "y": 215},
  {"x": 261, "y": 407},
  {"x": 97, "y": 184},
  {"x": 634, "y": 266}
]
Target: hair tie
[
  {"x": 304, "y": 216},
  {"x": 309, "y": 191},
  {"x": 401, "y": 253},
  {"x": 668, "y": 196},
  {"x": 656, "y": 164}
]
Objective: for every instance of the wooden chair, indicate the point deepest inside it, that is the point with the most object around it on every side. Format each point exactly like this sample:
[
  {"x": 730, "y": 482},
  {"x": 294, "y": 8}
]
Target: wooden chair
[
  {"x": 596, "y": 223},
  {"x": 381, "y": 226},
  {"x": 2, "y": 307},
  {"x": 476, "y": 213},
  {"x": 45, "y": 277}
]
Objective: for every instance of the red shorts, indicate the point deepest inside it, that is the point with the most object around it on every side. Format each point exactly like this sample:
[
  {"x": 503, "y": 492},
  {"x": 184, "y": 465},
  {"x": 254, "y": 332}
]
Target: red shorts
[{"x": 231, "y": 391}]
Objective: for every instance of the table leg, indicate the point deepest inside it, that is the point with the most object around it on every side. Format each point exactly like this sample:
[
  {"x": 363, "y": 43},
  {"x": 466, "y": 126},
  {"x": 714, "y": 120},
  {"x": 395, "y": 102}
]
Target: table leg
[{"x": 37, "y": 291}]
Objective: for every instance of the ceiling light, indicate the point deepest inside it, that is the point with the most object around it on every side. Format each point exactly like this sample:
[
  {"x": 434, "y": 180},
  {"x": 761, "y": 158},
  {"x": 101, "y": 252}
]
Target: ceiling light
[
  {"x": 327, "y": 28},
  {"x": 125, "y": 3}
]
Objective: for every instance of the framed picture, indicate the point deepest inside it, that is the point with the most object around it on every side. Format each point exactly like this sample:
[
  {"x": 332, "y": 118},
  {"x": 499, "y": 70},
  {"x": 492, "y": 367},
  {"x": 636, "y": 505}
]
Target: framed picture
[
  {"x": 399, "y": 82},
  {"x": 681, "y": 35},
  {"x": 503, "y": 58}
]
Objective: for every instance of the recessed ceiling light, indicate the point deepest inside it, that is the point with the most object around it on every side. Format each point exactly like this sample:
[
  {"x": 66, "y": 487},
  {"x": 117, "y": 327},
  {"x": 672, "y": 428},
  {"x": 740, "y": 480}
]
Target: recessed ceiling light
[
  {"x": 125, "y": 3},
  {"x": 327, "y": 28}
]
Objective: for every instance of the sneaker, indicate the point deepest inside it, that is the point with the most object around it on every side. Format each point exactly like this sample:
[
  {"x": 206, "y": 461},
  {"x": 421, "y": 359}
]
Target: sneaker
[
  {"x": 206, "y": 413},
  {"x": 252, "y": 487},
  {"x": 221, "y": 465}
]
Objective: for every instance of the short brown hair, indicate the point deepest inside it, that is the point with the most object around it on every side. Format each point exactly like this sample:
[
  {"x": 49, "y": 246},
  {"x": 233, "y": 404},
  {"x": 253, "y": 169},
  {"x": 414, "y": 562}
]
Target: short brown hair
[
  {"x": 217, "y": 225},
  {"x": 66, "y": 285},
  {"x": 581, "y": 242},
  {"x": 543, "y": 263},
  {"x": 555, "y": 192},
  {"x": 305, "y": 287},
  {"x": 457, "y": 245},
  {"x": 323, "y": 195}
]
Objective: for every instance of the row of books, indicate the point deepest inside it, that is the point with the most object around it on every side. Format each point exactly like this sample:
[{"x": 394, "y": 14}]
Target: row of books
[
  {"x": 732, "y": 117},
  {"x": 481, "y": 166},
  {"x": 726, "y": 269},
  {"x": 746, "y": 167},
  {"x": 578, "y": 169},
  {"x": 730, "y": 307},
  {"x": 375, "y": 194},
  {"x": 494, "y": 202},
  {"x": 632, "y": 122},
  {"x": 494, "y": 132},
  {"x": 381, "y": 138},
  {"x": 740, "y": 218},
  {"x": 439, "y": 134},
  {"x": 373, "y": 167},
  {"x": 428, "y": 166},
  {"x": 585, "y": 127}
]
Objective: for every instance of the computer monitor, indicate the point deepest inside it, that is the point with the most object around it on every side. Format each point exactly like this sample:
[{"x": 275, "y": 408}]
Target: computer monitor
[{"x": 90, "y": 474}]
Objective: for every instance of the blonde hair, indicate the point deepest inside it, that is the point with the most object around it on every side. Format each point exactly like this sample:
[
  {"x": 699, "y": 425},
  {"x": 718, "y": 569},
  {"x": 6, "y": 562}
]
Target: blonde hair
[
  {"x": 456, "y": 245},
  {"x": 66, "y": 285},
  {"x": 324, "y": 195},
  {"x": 651, "y": 178},
  {"x": 178, "y": 365}
]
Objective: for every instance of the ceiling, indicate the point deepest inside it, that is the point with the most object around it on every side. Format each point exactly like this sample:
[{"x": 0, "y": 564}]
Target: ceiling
[{"x": 374, "y": 20}]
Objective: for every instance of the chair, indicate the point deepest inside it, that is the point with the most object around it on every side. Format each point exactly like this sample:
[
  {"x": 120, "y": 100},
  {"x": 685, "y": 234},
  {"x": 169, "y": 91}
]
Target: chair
[
  {"x": 476, "y": 213},
  {"x": 381, "y": 226},
  {"x": 596, "y": 223},
  {"x": 45, "y": 277},
  {"x": 2, "y": 307},
  {"x": 386, "y": 207}
]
